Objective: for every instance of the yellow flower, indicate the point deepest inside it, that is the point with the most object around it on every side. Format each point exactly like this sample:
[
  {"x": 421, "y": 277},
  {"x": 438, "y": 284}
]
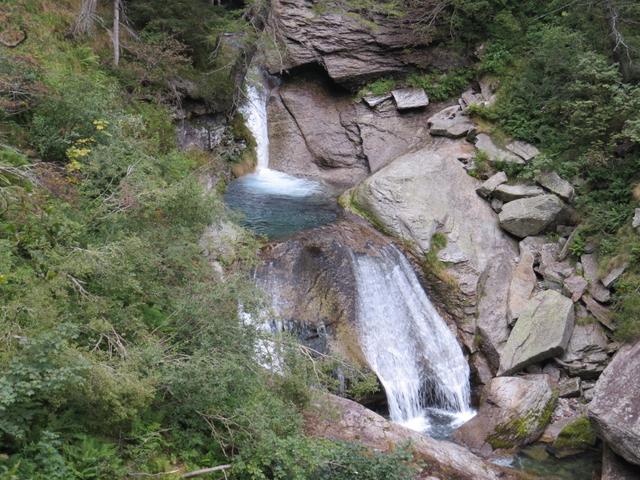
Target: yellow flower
[{"x": 100, "y": 124}]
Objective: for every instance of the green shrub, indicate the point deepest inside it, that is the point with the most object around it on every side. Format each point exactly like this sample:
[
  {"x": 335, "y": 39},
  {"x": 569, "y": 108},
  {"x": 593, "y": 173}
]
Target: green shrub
[{"x": 442, "y": 86}]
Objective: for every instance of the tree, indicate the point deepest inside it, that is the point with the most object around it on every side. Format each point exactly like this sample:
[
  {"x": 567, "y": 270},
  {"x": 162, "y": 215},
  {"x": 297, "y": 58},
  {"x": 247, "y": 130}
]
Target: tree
[
  {"x": 619, "y": 44},
  {"x": 86, "y": 19}
]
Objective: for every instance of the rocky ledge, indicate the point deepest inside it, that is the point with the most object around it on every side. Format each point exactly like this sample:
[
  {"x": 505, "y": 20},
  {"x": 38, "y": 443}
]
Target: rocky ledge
[{"x": 351, "y": 45}]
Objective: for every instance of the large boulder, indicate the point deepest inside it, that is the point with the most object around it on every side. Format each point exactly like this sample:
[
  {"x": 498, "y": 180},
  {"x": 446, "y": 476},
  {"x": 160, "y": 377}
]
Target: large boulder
[
  {"x": 352, "y": 46},
  {"x": 530, "y": 216},
  {"x": 615, "y": 408},
  {"x": 514, "y": 412},
  {"x": 314, "y": 131},
  {"x": 336, "y": 418},
  {"x": 428, "y": 192},
  {"x": 542, "y": 331}
]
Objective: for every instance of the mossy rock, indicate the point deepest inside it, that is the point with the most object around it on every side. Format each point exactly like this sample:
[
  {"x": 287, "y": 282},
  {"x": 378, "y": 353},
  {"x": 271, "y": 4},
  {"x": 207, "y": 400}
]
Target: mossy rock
[
  {"x": 577, "y": 435},
  {"x": 523, "y": 430}
]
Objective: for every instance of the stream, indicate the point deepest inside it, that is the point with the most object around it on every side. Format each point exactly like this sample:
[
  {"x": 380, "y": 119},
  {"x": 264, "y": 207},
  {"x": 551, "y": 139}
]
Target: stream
[{"x": 416, "y": 357}]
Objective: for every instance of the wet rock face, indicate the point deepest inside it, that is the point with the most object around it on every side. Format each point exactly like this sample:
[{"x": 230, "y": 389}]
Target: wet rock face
[
  {"x": 316, "y": 130},
  {"x": 312, "y": 286},
  {"x": 351, "y": 48},
  {"x": 514, "y": 412},
  {"x": 615, "y": 409},
  {"x": 428, "y": 192}
]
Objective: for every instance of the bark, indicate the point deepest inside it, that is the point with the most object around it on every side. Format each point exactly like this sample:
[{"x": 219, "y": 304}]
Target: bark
[
  {"x": 85, "y": 20},
  {"x": 116, "y": 32}
]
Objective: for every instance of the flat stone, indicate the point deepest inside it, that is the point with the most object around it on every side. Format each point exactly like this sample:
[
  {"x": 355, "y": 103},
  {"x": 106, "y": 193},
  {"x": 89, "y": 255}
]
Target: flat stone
[
  {"x": 569, "y": 387},
  {"x": 524, "y": 150},
  {"x": 495, "y": 154},
  {"x": 542, "y": 331},
  {"x": 530, "y": 216},
  {"x": 522, "y": 283},
  {"x": 408, "y": 98},
  {"x": 487, "y": 188},
  {"x": 615, "y": 409},
  {"x": 375, "y": 100},
  {"x": 450, "y": 122},
  {"x": 508, "y": 193},
  {"x": 613, "y": 274},
  {"x": 555, "y": 184},
  {"x": 596, "y": 288},
  {"x": 600, "y": 312},
  {"x": 574, "y": 287}
]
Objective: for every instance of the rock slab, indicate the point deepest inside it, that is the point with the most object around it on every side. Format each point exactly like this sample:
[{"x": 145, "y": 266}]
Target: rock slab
[
  {"x": 408, "y": 98},
  {"x": 615, "y": 408},
  {"x": 542, "y": 331},
  {"x": 555, "y": 184}
]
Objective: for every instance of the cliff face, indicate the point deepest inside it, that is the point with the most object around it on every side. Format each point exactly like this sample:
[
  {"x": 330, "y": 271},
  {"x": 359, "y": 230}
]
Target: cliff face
[{"x": 351, "y": 45}]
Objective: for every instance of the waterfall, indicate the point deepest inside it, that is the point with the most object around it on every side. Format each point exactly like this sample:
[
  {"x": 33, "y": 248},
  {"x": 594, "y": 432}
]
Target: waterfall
[
  {"x": 265, "y": 180},
  {"x": 254, "y": 112},
  {"x": 407, "y": 344}
]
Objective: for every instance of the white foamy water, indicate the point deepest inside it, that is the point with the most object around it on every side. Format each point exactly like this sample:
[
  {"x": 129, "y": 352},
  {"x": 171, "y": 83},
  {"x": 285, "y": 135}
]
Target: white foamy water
[
  {"x": 408, "y": 345},
  {"x": 254, "y": 112},
  {"x": 266, "y": 180}
]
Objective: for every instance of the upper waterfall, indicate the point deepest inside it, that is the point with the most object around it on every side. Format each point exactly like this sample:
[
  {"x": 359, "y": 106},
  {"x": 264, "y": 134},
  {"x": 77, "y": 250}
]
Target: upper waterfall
[
  {"x": 408, "y": 344},
  {"x": 254, "y": 111}
]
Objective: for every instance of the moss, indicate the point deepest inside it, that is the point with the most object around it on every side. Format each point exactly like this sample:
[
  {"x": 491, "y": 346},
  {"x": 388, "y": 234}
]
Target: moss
[
  {"x": 519, "y": 431},
  {"x": 432, "y": 265},
  {"x": 348, "y": 202},
  {"x": 578, "y": 434},
  {"x": 247, "y": 160}
]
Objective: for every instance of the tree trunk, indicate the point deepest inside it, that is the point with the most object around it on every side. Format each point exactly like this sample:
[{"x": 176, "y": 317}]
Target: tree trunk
[
  {"x": 86, "y": 18},
  {"x": 621, "y": 53},
  {"x": 116, "y": 32}
]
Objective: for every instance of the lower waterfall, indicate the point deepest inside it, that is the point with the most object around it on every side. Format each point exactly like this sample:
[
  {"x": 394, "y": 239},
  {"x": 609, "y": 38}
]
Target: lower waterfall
[{"x": 407, "y": 344}]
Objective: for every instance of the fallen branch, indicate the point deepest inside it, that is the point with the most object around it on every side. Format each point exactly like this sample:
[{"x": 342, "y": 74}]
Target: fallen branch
[
  {"x": 204, "y": 471},
  {"x": 195, "y": 473}
]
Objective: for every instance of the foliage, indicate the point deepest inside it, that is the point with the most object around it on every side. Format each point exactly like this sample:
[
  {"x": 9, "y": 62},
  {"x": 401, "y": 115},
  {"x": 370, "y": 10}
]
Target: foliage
[{"x": 441, "y": 86}]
